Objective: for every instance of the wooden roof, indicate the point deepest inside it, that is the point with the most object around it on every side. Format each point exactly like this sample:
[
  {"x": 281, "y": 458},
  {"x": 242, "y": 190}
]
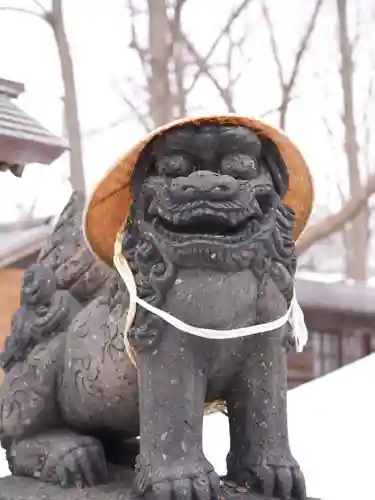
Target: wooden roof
[
  {"x": 338, "y": 297},
  {"x": 22, "y": 138},
  {"x": 337, "y": 307}
]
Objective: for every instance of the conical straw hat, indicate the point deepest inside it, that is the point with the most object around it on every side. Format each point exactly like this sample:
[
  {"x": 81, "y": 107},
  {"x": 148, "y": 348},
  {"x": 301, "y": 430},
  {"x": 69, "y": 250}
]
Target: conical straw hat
[{"x": 109, "y": 205}]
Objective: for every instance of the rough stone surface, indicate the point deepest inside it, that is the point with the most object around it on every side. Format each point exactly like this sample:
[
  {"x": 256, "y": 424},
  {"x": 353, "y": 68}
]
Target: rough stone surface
[
  {"x": 16, "y": 488},
  {"x": 208, "y": 240},
  {"x": 66, "y": 253}
]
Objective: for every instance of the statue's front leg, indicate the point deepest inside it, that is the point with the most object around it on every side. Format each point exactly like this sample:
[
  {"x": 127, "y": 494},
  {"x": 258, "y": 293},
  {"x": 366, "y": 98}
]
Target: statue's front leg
[
  {"x": 172, "y": 385},
  {"x": 260, "y": 456},
  {"x": 31, "y": 430}
]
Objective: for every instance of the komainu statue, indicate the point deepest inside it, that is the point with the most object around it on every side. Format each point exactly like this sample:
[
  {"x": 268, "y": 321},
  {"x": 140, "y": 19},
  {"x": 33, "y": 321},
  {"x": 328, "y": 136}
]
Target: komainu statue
[{"x": 182, "y": 296}]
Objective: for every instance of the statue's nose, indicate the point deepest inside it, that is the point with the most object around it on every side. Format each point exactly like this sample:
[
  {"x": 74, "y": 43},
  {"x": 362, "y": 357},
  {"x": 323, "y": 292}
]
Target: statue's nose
[{"x": 204, "y": 184}]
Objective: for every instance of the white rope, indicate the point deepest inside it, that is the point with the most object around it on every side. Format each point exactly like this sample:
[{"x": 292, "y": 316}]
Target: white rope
[{"x": 294, "y": 314}]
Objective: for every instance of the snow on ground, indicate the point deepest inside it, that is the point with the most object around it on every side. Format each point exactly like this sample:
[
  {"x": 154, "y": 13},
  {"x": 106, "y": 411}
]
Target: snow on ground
[
  {"x": 332, "y": 433},
  {"x": 4, "y": 471}
]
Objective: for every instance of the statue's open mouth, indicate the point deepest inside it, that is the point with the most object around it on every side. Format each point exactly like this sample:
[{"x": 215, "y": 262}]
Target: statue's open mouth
[
  {"x": 231, "y": 223},
  {"x": 205, "y": 224}
]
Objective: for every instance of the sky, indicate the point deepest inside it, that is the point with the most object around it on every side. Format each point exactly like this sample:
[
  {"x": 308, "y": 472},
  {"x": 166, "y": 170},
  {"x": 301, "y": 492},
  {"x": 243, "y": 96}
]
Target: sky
[{"x": 99, "y": 37}]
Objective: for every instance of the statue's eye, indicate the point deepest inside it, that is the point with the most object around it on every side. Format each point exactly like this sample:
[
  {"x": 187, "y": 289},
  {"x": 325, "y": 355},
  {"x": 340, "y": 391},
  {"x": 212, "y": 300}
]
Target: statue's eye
[
  {"x": 174, "y": 166},
  {"x": 240, "y": 166}
]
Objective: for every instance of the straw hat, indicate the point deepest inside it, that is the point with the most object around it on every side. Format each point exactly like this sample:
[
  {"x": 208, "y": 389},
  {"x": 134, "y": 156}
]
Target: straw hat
[{"x": 109, "y": 205}]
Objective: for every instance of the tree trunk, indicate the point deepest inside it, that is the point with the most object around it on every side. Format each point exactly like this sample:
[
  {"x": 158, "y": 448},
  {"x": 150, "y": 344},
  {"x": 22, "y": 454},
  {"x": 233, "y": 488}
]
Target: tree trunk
[
  {"x": 178, "y": 62},
  {"x": 160, "y": 46},
  {"x": 357, "y": 232},
  {"x": 71, "y": 116}
]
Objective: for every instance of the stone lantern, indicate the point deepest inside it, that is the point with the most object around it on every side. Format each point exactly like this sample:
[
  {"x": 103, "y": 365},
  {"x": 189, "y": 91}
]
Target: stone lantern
[{"x": 23, "y": 140}]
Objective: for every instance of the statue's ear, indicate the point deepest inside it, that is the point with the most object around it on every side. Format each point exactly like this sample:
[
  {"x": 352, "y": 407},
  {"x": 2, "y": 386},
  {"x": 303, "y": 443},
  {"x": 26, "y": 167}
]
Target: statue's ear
[
  {"x": 143, "y": 168},
  {"x": 130, "y": 231},
  {"x": 274, "y": 163}
]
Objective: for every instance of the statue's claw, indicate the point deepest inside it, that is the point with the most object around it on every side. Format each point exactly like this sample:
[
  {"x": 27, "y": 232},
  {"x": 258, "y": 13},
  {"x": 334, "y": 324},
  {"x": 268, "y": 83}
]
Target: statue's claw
[
  {"x": 187, "y": 479},
  {"x": 282, "y": 482},
  {"x": 201, "y": 487},
  {"x": 82, "y": 466},
  {"x": 69, "y": 460}
]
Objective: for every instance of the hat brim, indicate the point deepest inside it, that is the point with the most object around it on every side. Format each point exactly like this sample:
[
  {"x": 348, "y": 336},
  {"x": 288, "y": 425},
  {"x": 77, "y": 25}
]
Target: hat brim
[{"x": 109, "y": 204}]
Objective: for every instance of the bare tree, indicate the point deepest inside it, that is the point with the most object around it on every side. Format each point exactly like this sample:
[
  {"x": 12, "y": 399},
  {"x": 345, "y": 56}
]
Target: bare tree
[
  {"x": 172, "y": 66},
  {"x": 55, "y": 19},
  {"x": 357, "y": 234},
  {"x": 337, "y": 222},
  {"x": 288, "y": 83},
  {"x": 171, "y": 63},
  {"x": 353, "y": 218},
  {"x": 170, "y": 52}
]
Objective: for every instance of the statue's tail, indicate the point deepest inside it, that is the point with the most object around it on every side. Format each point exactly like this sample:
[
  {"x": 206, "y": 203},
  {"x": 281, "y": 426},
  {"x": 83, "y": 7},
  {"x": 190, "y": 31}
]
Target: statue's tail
[{"x": 66, "y": 252}]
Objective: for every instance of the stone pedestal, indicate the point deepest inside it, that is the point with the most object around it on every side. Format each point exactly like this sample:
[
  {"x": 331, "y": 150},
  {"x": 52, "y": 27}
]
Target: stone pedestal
[{"x": 21, "y": 488}]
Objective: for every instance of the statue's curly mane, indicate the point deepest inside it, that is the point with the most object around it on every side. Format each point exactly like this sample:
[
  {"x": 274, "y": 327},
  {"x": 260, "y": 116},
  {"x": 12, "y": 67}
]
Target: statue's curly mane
[{"x": 155, "y": 274}]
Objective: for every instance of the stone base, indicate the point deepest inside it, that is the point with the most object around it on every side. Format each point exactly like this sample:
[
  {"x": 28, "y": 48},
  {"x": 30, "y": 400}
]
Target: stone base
[{"x": 22, "y": 488}]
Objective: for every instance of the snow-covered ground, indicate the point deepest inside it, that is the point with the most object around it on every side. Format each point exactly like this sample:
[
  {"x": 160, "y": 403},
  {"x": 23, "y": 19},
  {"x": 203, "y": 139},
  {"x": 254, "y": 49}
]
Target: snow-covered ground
[
  {"x": 332, "y": 432},
  {"x": 4, "y": 471}
]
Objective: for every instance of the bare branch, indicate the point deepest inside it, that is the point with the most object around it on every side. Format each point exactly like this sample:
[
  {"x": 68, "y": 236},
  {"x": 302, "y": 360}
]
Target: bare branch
[
  {"x": 278, "y": 108},
  {"x": 233, "y": 45},
  {"x": 24, "y": 11},
  {"x": 40, "y": 6},
  {"x": 134, "y": 43},
  {"x": 357, "y": 26},
  {"x": 71, "y": 110},
  {"x": 179, "y": 5},
  {"x": 336, "y": 222},
  {"x": 332, "y": 175},
  {"x": 287, "y": 84},
  {"x": 204, "y": 68},
  {"x": 225, "y": 30},
  {"x": 304, "y": 44},
  {"x": 275, "y": 52},
  {"x": 27, "y": 222},
  {"x": 177, "y": 47},
  {"x": 141, "y": 117},
  {"x": 109, "y": 126},
  {"x": 367, "y": 120}
]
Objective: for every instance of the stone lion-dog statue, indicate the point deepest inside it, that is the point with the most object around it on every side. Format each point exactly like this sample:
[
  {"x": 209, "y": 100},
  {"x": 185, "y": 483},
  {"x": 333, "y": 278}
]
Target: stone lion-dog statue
[{"x": 200, "y": 220}]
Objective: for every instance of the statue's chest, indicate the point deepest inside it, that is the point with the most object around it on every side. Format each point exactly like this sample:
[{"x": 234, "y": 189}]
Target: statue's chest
[{"x": 210, "y": 299}]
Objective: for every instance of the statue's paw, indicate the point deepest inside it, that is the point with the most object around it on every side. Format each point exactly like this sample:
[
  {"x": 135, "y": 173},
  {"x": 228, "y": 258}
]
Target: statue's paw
[
  {"x": 76, "y": 462},
  {"x": 182, "y": 480},
  {"x": 200, "y": 487},
  {"x": 284, "y": 482}
]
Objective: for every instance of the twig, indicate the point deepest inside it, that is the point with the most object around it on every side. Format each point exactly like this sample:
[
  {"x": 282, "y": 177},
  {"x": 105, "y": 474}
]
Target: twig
[
  {"x": 40, "y": 6},
  {"x": 335, "y": 222},
  {"x": 177, "y": 56},
  {"x": 100, "y": 130},
  {"x": 304, "y": 43},
  {"x": 232, "y": 18},
  {"x": 205, "y": 68},
  {"x": 287, "y": 84},
  {"x": 134, "y": 43},
  {"x": 142, "y": 118},
  {"x": 275, "y": 52},
  {"x": 278, "y": 108},
  {"x": 23, "y": 11}
]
